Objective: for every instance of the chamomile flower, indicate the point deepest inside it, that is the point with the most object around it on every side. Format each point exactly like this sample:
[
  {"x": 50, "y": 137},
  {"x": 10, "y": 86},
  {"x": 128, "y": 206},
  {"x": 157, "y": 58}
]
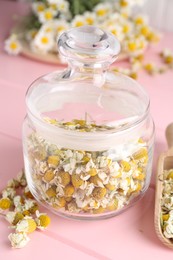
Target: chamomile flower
[
  {"x": 60, "y": 5},
  {"x": 26, "y": 225},
  {"x": 12, "y": 45},
  {"x": 127, "y": 28},
  {"x": 167, "y": 56},
  {"x": 18, "y": 240},
  {"x": 43, "y": 42},
  {"x": 78, "y": 21},
  {"x": 128, "y": 3},
  {"x": 90, "y": 18},
  {"x": 151, "y": 68},
  {"x": 140, "y": 20},
  {"x": 102, "y": 10},
  {"x": 60, "y": 26},
  {"x": 117, "y": 31},
  {"x": 47, "y": 15},
  {"x": 47, "y": 27},
  {"x": 136, "y": 45},
  {"x": 38, "y": 7},
  {"x": 30, "y": 35},
  {"x": 63, "y": 6},
  {"x": 42, "y": 220}
]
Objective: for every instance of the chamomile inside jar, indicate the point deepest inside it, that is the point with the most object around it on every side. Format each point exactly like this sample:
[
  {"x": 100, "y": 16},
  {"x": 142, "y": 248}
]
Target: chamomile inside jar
[{"x": 88, "y": 135}]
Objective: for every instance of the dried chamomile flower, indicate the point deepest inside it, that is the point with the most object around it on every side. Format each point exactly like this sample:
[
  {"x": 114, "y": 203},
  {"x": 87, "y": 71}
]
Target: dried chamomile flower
[
  {"x": 10, "y": 215},
  {"x": 99, "y": 193},
  {"x": 21, "y": 178},
  {"x": 167, "y": 204},
  {"x": 26, "y": 225},
  {"x": 69, "y": 190},
  {"x": 76, "y": 180},
  {"x": 18, "y": 240},
  {"x": 13, "y": 183},
  {"x": 27, "y": 193},
  {"x": 53, "y": 160},
  {"x": 5, "y": 203},
  {"x": 8, "y": 192},
  {"x": 167, "y": 56},
  {"x": 151, "y": 68},
  {"x": 64, "y": 178},
  {"x": 170, "y": 175},
  {"x": 17, "y": 217},
  {"x": 19, "y": 211},
  {"x": 49, "y": 176},
  {"x": 42, "y": 220}
]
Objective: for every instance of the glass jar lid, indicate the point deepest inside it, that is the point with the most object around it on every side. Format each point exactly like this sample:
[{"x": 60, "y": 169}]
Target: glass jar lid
[{"x": 86, "y": 96}]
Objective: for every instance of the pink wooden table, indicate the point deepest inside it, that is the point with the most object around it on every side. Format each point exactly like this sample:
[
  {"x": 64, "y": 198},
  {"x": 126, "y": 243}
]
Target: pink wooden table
[{"x": 130, "y": 235}]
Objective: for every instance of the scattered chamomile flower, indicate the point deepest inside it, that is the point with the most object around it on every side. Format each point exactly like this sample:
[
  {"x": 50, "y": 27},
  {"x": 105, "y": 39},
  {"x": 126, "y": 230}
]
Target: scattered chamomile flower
[
  {"x": 20, "y": 211},
  {"x": 8, "y": 193},
  {"x": 18, "y": 240},
  {"x": 151, "y": 68},
  {"x": 5, "y": 203},
  {"x": 21, "y": 178},
  {"x": 13, "y": 45},
  {"x": 10, "y": 216},
  {"x": 42, "y": 220},
  {"x": 167, "y": 56},
  {"x": 26, "y": 225}
]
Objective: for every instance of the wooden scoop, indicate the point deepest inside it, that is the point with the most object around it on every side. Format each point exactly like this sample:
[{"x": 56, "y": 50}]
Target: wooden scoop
[{"x": 165, "y": 163}]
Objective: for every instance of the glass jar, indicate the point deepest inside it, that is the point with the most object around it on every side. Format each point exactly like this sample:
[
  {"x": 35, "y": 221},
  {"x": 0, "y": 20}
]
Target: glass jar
[{"x": 88, "y": 134}]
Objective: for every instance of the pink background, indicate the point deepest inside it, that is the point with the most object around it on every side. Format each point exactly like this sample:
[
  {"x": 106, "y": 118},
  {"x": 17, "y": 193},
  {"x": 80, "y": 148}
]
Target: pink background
[{"x": 130, "y": 235}]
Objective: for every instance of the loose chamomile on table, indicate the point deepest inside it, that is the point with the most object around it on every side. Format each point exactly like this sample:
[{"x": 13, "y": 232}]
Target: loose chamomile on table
[{"x": 21, "y": 211}]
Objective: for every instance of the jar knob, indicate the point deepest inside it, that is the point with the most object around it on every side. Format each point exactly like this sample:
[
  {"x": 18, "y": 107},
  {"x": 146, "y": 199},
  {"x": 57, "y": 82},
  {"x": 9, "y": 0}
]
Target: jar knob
[{"x": 89, "y": 44}]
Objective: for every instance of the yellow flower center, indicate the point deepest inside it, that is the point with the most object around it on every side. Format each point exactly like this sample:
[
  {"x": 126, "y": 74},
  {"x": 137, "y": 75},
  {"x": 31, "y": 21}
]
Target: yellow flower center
[
  {"x": 13, "y": 45},
  {"x": 40, "y": 8},
  {"x": 53, "y": 6},
  {"x": 132, "y": 46},
  {"x": 169, "y": 59},
  {"x": 49, "y": 29},
  {"x": 139, "y": 20},
  {"x": 44, "y": 40},
  {"x": 5, "y": 203},
  {"x": 101, "y": 12},
  {"x": 89, "y": 20},
  {"x": 48, "y": 15},
  {"x": 60, "y": 28},
  {"x": 142, "y": 45},
  {"x": 31, "y": 225},
  {"x": 79, "y": 23},
  {"x": 114, "y": 31},
  {"x": 62, "y": 6},
  {"x": 123, "y": 3},
  {"x": 126, "y": 28},
  {"x": 33, "y": 34},
  {"x": 145, "y": 30},
  {"x": 44, "y": 221}
]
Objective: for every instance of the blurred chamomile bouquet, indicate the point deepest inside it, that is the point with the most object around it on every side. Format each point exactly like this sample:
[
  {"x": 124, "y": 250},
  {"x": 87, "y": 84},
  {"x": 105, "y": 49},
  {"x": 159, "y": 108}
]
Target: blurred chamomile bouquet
[{"x": 49, "y": 18}]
